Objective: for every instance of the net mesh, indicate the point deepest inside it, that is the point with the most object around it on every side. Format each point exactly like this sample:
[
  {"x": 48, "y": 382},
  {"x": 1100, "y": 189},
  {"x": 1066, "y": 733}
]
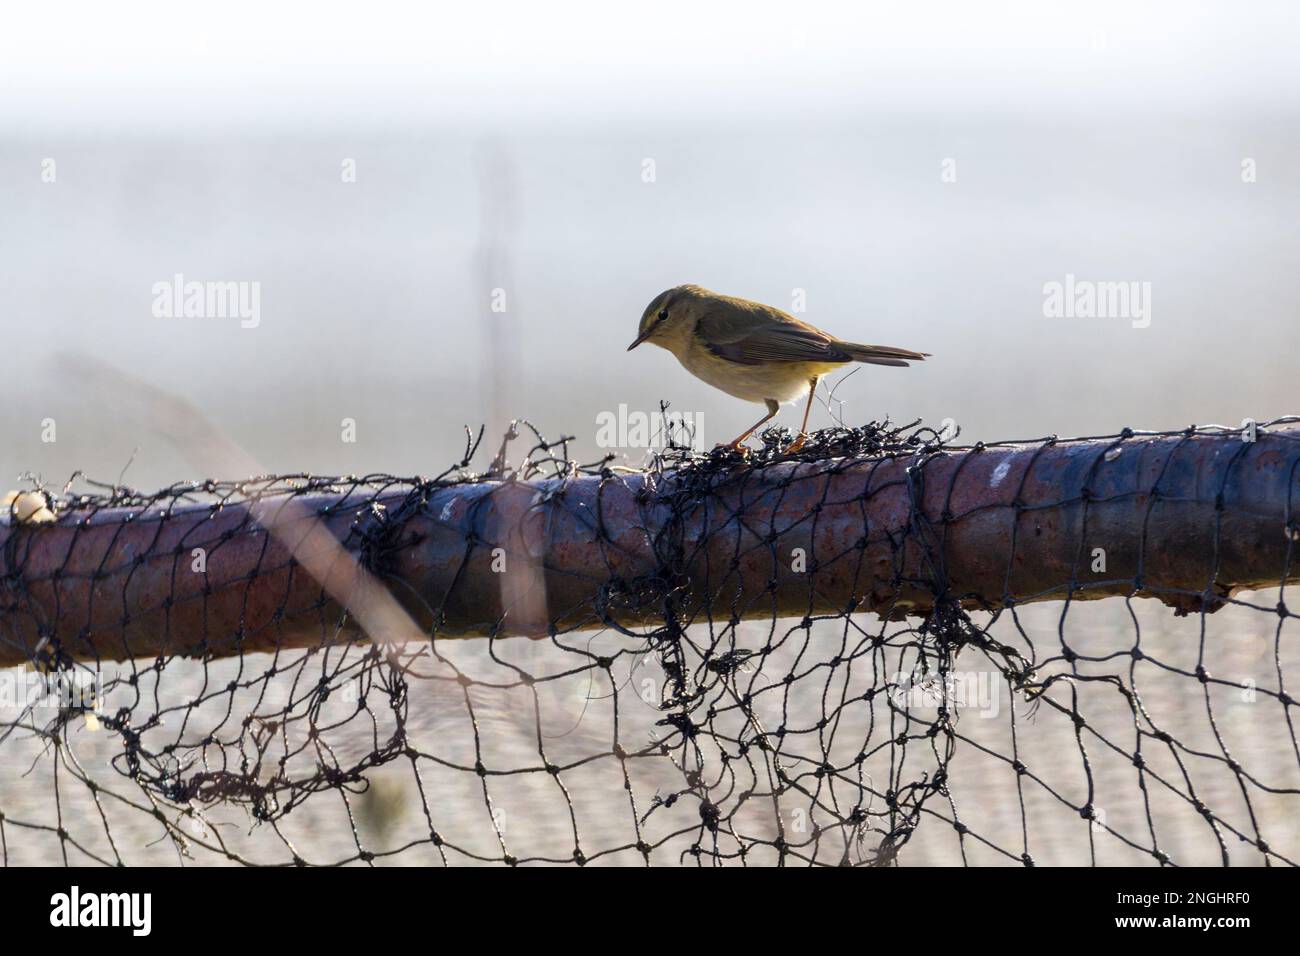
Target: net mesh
[{"x": 665, "y": 718}]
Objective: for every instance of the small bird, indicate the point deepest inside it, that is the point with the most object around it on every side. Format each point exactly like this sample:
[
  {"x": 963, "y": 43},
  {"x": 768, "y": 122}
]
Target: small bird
[{"x": 752, "y": 351}]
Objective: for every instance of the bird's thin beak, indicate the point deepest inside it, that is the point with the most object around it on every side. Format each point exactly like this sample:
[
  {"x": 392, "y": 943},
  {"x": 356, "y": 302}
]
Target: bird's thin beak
[{"x": 639, "y": 339}]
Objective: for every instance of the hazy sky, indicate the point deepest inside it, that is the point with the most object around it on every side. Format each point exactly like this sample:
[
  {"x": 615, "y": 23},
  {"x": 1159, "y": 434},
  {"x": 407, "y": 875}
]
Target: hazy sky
[
  {"x": 165, "y": 65},
  {"x": 796, "y": 147}
]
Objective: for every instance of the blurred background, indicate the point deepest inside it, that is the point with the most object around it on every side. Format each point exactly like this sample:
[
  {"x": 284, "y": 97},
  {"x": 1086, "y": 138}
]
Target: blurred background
[
  {"x": 918, "y": 172},
  {"x": 455, "y": 216}
]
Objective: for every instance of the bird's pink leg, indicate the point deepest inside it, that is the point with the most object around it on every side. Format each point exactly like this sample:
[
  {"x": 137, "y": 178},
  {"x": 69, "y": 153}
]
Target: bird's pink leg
[
  {"x": 772, "y": 409},
  {"x": 803, "y": 429}
]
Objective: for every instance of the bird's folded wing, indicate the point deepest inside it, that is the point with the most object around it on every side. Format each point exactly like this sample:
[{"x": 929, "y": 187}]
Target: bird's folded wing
[{"x": 751, "y": 340}]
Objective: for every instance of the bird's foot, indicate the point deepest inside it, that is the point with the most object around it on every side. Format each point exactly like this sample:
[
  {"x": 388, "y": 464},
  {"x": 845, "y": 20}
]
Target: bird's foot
[
  {"x": 737, "y": 446},
  {"x": 795, "y": 445}
]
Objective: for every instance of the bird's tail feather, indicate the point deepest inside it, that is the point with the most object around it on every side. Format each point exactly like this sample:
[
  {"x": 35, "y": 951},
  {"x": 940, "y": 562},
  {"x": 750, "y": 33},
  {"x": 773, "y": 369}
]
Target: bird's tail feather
[{"x": 881, "y": 354}]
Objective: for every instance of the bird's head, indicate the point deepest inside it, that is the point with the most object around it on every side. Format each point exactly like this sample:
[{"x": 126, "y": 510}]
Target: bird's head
[{"x": 671, "y": 316}]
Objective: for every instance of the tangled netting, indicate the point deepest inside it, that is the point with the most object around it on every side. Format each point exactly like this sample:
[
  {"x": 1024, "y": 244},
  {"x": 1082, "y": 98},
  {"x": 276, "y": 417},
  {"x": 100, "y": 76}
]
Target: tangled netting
[{"x": 692, "y": 685}]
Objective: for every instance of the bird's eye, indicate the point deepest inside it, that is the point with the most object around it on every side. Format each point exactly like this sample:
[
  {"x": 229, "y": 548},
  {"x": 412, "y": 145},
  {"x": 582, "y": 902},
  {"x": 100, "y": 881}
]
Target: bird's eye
[{"x": 663, "y": 314}]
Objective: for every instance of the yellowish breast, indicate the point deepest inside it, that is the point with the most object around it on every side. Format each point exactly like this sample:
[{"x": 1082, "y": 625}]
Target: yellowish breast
[{"x": 780, "y": 381}]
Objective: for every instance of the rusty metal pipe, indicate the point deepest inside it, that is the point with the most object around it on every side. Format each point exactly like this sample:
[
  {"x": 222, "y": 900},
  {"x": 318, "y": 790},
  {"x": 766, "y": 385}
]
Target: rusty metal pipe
[{"x": 1187, "y": 518}]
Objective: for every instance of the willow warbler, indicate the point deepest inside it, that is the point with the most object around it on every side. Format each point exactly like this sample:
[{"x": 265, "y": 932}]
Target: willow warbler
[{"x": 752, "y": 351}]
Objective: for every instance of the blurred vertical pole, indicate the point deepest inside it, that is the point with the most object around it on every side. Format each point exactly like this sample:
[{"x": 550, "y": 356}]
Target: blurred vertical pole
[
  {"x": 499, "y": 364},
  {"x": 520, "y": 575}
]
